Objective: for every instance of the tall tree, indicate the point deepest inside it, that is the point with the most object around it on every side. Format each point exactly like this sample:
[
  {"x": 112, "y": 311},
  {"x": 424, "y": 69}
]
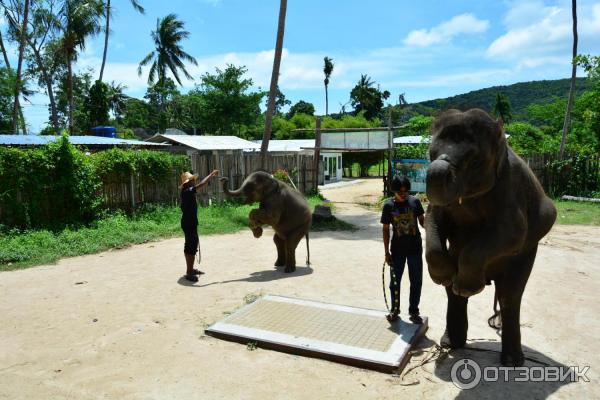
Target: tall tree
[
  {"x": 80, "y": 19},
  {"x": 17, "y": 14},
  {"x": 274, "y": 79},
  {"x": 43, "y": 63},
  {"x": 167, "y": 53},
  {"x": 367, "y": 98},
  {"x": 108, "y": 9},
  {"x": 327, "y": 70},
  {"x": 567, "y": 122},
  {"x": 502, "y": 107}
]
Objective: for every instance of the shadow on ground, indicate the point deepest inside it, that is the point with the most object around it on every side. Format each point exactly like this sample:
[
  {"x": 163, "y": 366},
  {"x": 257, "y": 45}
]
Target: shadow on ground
[
  {"x": 258, "y": 276},
  {"x": 487, "y": 354}
]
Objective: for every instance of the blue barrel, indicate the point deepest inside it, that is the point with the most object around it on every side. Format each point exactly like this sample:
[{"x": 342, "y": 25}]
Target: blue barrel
[{"x": 105, "y": 131}]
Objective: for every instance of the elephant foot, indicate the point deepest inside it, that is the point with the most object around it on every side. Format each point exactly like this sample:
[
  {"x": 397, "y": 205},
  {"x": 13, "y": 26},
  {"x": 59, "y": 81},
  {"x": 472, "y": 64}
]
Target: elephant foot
[
  {"x": 279, "y": 263},
  {"x": 466, "y": 289},
  {"x": 257, "y": 232},
  {"x": 512, "y": 359},
  {"x": 289, "y": 269}
]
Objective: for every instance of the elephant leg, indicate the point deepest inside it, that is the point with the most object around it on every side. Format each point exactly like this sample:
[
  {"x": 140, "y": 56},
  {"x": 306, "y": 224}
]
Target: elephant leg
[
  {"x": 290, "y": 250},
  {"x": 510, "y": 291},
  {"x": 280, "y": 244},
  {"x": 456, "y": 320}
]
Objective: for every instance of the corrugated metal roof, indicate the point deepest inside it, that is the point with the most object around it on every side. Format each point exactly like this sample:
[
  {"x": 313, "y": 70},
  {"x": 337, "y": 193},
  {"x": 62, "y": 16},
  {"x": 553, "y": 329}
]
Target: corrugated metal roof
[
  {"x": 206, "y": 142},
  {"x": 411, "y": 140},
  {"x": 37, "y": 140},
  {"x": 291, "y": 145}
]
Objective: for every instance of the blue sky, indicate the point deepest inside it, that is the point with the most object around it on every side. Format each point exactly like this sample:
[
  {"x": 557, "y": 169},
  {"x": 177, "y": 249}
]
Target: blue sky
[{"x": 426, "y": 49}]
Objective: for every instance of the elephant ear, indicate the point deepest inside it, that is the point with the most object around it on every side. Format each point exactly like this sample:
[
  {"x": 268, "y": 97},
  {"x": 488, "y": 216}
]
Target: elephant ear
[{"x": 502, "y": 153}]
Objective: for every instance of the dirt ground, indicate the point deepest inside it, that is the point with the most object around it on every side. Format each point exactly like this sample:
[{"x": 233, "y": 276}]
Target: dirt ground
[{"x": 122, "y": 324}]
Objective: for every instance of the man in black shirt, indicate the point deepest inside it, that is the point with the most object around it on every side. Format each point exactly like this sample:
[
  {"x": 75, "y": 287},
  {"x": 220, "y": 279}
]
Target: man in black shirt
[
  {"x": 189, "y": 219},
  {"x": 402, "y": 212}
]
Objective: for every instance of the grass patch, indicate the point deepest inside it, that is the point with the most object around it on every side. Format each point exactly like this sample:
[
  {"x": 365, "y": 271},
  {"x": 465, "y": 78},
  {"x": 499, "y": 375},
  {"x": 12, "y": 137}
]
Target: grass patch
[
  {"x": 21, "y": 249},
  {"x": 577, "y": 213}
]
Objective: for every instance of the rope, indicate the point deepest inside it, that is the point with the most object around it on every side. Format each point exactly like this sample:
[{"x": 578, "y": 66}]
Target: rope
[
  {"x": 397, "y": 299},
  {"x": 199, "y": 254},
  {"x": 495, "y": 321}
]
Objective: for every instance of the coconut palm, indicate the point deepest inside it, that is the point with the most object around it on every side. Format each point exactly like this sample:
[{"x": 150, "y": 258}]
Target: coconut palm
[
  {"x": 274, "y": 78},
  {"x": 80, "y": 19},
  {"x": 327, "y": 70},
  {"x": 108, "y": 9},
  {"x": 567, "y": 122},
  {"x": 168, "y": 53}
]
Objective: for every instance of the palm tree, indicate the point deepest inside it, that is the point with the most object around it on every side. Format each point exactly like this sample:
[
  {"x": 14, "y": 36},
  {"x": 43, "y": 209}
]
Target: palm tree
[
  {"x": 168, "y": 52},
  {"x": 567, "y": 122},
  {"x": 80, "y": 19},
  {"x": 327, "y": 70},
  {"x": 137, "y": 6},
  {"x": 22, "y": 40},
  {"x": 502, "y": 107},
  {"x": 273, "y": 89}
]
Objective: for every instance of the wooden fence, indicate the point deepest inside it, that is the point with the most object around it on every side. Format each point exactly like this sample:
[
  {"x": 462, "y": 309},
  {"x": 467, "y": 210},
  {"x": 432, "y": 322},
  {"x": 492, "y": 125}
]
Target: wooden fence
[
  {"x": 579, "y": 175},
  {"x": 238, "y": 165},
  {"x": 131, "y": 191}
]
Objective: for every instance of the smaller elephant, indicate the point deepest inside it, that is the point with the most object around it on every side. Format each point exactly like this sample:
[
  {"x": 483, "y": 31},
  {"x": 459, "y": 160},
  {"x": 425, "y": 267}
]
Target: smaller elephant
[{"x": 282, "y": 207}]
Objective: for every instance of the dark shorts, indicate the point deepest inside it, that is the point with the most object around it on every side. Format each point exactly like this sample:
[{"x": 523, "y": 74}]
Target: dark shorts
[{"x": 191, "y": 239}]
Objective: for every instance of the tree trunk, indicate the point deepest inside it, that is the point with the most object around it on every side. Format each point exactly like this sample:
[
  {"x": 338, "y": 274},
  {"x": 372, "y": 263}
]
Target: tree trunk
[
  {"x": 326, "y": 102},
  {"x": 105, "y": 39},
  {"x": 273, "y": 89},
  {"x": 567, "y": 122},
  {"x": 6, "y": 61},
  {"x": 17, "y": 92},
  {"x": 70, "y": 92},
  {"x": 47, "y": 78}
]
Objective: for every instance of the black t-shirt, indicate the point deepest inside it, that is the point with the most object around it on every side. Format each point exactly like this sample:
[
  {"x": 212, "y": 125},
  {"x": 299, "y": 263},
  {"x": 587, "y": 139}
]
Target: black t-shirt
[
  {"x": 403, "y": 218},
  {"x": 189, "y": 207}
]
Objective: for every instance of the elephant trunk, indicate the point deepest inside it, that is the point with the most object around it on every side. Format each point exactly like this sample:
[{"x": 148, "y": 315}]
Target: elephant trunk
[
  {"x": 233, "y": 193},
  {"x": 441, "y": 185}
]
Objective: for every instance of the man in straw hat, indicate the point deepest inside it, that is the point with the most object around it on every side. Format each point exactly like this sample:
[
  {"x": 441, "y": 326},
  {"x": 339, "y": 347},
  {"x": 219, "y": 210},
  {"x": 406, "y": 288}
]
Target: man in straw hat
[{"x": 189, "y": 219}]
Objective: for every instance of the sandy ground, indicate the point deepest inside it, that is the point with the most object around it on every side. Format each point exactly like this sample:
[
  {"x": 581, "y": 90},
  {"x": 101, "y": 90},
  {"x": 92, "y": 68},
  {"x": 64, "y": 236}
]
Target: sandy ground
[{"x": 122, "y": 324}]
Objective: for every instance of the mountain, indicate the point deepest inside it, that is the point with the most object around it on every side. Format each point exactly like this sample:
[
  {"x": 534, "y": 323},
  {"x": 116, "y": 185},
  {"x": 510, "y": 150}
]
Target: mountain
[{"x": 521, "y": 95}]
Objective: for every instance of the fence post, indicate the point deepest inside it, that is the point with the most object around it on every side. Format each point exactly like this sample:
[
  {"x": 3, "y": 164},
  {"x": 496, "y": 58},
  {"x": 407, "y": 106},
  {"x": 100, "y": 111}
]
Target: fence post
[
  {"x": 132, "y": 191},
  {"x": 317, "y": 154}
]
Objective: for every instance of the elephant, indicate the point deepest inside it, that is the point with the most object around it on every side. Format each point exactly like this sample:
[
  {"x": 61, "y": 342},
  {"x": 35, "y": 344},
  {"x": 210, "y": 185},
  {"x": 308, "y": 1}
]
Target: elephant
[
  {"x": 282, "y": 207},
  {"x": 486, "y": 214}
]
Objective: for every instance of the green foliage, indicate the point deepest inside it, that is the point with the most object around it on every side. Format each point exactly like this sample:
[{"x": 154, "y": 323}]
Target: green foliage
[
  {"x": 81, "y": 87},
  {"x": 160, "y": 96},
  {"x": 302, "y": 107},
  {"x": 577, "y": 213},
  {"x": 126, "y": 133},
  {"x": 418, "y": 125},
  {"x": 415, "y": 151},
  {"x": 350, "y": 121},
  {"x": 526, "y": 139},
  {"x": 7, "y": 84},
  {"x": 97, "y": 105},
  {"x": 57, "y": 185},
  {"x": 520, "y": 95},
  {"x": 51, "y": 186},
  {"x": 136, "y": 114},
  {"x": 368, "y": 98},
  {"x": 225, "y": 104},
  {"x": 364, "y": 160}
]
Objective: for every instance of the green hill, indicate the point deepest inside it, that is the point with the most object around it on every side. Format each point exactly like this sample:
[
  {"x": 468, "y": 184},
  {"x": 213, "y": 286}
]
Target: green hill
[{"x": 520, "y": 94}]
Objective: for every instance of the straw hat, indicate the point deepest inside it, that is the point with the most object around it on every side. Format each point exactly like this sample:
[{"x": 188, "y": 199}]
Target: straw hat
[{"x": 186, "y": 177}]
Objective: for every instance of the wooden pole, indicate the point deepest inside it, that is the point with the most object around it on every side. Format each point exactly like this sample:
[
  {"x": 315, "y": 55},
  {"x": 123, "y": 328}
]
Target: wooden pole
[{"x": 317, "y": 153}]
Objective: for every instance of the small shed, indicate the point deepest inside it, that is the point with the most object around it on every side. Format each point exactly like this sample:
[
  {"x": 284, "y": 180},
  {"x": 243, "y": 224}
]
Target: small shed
[{"x": 92, "y": 143}]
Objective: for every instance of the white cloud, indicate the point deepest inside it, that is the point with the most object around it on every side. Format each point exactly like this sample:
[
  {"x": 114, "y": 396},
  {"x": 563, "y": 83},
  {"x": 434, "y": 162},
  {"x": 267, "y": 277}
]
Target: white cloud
[
  {"x": 443, "y": 33},
  {"x": 534, "y": 38}
]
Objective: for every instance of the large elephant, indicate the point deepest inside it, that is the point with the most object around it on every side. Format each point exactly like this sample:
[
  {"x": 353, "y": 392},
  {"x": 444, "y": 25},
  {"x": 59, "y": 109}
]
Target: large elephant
[
  {"x": 486, "y": 215},
  {"x": 282, "y": 207}
]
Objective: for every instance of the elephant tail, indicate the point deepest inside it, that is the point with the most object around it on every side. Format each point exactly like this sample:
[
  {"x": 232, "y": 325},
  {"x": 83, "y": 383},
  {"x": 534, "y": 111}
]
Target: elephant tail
[{"x": 307, "y": 251}]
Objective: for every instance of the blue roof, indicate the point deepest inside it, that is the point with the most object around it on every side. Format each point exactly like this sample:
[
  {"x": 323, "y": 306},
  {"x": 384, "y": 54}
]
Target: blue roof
[{"x": 38, "y": 140}]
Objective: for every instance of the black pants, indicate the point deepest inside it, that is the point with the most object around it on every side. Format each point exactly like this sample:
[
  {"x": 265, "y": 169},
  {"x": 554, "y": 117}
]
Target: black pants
[
  {"x": 415, "y": 275},
  {"x": 191, "y": 239}
]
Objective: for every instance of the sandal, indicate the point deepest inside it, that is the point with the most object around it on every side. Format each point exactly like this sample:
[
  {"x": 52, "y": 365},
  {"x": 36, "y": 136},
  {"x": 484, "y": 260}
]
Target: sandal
[
  {"x": 416, "y": 319},
  {"x": 197, "y": 272},
  {"x": 191, "y": 278}
]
